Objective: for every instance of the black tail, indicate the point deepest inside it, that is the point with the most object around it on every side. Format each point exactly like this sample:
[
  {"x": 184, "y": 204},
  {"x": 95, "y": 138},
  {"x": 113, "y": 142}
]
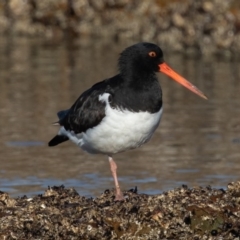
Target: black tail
[
  {"x": 57, "y": 140},
  {"x": 62, "y": 114}
]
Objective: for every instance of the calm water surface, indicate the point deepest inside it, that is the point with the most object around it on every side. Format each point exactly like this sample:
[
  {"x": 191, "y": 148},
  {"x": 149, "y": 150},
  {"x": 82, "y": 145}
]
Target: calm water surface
[{"x": 197, "y": 143}]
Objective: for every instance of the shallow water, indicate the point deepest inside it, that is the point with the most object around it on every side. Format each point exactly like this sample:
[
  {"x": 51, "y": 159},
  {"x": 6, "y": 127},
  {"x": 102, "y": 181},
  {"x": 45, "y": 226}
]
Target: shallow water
[{"x": 197, "y": 143}]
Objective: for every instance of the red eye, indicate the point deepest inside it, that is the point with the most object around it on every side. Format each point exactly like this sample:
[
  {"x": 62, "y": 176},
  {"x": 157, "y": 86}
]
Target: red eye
[{"x": 152, "y": 54}]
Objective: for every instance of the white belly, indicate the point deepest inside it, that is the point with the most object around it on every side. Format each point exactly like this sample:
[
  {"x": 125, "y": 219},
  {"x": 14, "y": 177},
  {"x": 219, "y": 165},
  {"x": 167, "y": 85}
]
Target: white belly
[{"x": 120, "y": 130}]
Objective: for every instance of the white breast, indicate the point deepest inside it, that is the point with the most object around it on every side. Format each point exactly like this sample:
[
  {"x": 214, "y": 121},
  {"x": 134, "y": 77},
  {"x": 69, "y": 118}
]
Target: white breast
[{"x": 120, "y": 130}]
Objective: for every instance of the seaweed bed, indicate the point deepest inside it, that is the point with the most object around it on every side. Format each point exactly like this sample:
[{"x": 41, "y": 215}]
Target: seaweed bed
[{"x": 183, "y": 213}]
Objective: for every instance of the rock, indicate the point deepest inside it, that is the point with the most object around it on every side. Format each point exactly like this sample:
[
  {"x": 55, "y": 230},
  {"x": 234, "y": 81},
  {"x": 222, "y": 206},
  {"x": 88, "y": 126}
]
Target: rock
[
  {"x": 208, "y": 6},
  {"x": 178, "y": 20},
  {"x": 210, "y": 27},
  {"x": 60, "y": 213}
]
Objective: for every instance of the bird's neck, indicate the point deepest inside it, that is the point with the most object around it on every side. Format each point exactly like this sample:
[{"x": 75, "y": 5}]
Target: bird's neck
[
  {"x": 142, "y": 92},
  {"x": 138, "y": 77},
  {"x": 142, "y": 83}
]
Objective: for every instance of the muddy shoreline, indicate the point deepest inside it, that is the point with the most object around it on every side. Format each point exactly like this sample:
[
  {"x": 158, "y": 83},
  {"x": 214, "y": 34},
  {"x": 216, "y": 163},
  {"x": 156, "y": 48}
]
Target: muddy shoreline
[{"x": 182, "y": 213}]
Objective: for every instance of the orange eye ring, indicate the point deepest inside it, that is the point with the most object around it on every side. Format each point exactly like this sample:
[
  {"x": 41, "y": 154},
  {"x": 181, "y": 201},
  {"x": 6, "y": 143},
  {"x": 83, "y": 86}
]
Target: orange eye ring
[{"x": 152, "y": 54}]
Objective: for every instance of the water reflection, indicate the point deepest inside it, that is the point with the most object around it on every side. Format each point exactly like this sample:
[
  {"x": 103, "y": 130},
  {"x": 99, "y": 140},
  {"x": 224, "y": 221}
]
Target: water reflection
[{"x": 197, "y": 141}]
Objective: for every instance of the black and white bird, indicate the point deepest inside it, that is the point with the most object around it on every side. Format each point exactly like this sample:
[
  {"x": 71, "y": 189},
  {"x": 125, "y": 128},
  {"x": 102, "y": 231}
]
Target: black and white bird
[{"x": 121, "y": 112}]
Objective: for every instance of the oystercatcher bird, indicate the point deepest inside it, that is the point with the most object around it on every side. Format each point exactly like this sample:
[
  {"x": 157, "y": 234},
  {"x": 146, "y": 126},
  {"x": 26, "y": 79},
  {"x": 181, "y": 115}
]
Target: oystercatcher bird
[{"x": 121, "y": 112}]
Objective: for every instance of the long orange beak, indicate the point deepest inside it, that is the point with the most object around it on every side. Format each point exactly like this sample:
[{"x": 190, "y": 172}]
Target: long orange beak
[{"x": 164, "y": 68}]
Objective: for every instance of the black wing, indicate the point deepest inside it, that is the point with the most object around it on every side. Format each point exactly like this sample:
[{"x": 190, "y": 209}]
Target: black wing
[{"x": 87, "y": 111}]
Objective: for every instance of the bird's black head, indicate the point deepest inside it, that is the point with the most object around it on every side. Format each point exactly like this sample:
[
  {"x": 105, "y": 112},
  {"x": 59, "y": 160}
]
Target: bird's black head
[
  {"x": 141, "y": 57},
  {"x": 139, "y": 62}
]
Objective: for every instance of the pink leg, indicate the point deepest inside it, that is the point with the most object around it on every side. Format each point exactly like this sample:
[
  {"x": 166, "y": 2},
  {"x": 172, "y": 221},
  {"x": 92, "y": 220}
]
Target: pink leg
[{"x": 113, "y": 166}]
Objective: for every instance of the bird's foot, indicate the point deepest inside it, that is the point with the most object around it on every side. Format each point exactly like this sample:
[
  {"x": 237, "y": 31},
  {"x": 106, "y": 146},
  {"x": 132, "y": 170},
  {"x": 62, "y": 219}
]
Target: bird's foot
[{"x": 119, "y": 195}]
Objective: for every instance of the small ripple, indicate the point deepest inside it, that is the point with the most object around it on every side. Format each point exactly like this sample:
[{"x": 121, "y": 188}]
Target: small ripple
[{"x": 24, "y": 143}]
